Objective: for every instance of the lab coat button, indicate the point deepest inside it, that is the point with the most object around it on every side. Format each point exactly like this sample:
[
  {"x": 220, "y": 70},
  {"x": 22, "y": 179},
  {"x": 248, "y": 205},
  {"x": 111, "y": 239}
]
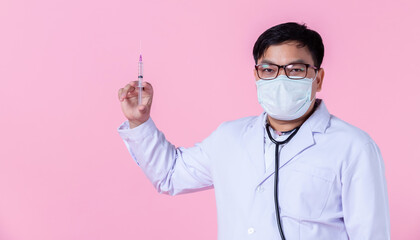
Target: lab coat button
[
  {"x": 260, "y": 189},
  {"x": 251, "y": 230}
]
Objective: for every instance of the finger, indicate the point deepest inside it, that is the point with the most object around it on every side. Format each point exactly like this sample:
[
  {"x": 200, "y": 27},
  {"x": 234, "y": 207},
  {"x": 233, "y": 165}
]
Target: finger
[
  {"x": 119, "y": 93},
  {"x": 133, "y": 93},
  {"x": 146, "y": 100},
  {"x": 147, "y": 94},
  {"x": 134, "y": 83},
  {"x": 147, "y": 87},
  {"x": 142, "y": 109},
  {"x": 126, "y": 89}
]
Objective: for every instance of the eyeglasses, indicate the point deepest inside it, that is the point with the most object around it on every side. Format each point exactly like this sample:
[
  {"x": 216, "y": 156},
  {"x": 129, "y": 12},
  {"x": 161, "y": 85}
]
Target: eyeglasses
[{"x": 294, "y": 71}]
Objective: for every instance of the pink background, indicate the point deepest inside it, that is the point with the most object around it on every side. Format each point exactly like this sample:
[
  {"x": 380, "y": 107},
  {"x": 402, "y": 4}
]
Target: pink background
[{"x": 66, "y": 174}]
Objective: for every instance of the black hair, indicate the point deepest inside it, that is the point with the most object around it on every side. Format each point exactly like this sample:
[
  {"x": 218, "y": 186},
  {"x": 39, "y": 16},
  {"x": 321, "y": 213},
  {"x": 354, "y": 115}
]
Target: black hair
[{"x": 290, "y": 31}]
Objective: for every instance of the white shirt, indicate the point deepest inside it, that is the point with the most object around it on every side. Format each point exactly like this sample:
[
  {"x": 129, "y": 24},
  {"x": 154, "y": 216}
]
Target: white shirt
[
  {"x": 331, "y": 178},
  {"x": 270, "y": 147}
]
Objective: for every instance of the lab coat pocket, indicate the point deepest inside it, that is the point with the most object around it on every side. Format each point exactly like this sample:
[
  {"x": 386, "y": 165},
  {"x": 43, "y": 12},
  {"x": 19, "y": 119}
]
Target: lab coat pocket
[{"x": 304, "y": 190}]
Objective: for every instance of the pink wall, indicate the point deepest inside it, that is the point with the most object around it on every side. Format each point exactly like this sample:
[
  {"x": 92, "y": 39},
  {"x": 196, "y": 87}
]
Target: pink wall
[{"x": 65, "y": 173}]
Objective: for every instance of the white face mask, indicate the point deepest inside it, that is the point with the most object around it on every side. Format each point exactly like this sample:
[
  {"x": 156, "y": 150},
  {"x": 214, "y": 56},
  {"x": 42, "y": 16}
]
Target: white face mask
[{"x": 285, "y": 99}]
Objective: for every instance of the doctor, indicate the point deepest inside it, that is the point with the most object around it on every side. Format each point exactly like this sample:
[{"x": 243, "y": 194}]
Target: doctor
[{"x": 329, "y": 183}]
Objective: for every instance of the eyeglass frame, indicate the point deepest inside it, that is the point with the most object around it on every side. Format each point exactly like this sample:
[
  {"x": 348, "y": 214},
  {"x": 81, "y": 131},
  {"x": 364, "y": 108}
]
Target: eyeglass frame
[{"x": 285, "y": 72}]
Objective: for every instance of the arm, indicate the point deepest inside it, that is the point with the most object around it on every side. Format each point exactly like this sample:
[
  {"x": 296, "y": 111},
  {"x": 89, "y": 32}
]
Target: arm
[
  {"x": 365, "y": 196},
  {"x": 171, "y": 170}
]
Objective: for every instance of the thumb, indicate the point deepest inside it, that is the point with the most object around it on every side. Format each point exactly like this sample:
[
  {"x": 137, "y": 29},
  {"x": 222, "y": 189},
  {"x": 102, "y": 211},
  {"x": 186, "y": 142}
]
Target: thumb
[{"x": 142, "y": 109}]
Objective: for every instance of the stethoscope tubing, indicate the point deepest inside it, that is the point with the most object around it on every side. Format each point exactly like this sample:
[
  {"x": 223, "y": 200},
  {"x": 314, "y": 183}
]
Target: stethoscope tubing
[{"x": 276, "y": 174}]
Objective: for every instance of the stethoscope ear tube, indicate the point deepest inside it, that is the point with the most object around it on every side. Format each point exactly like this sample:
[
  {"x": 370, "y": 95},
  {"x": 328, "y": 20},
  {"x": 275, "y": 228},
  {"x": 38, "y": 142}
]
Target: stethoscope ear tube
[{"x": 276, "y": 174}]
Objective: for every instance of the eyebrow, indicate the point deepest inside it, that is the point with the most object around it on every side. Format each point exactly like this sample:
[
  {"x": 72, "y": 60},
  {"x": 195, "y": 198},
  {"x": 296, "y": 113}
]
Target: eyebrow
[{"x": 271, "y": 62}]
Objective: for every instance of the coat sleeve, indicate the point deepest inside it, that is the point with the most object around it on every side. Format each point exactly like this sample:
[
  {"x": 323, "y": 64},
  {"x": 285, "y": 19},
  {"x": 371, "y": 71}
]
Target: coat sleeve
[
  {"x": 171, "y": 170},
  {"x": 365, "y": 196}
]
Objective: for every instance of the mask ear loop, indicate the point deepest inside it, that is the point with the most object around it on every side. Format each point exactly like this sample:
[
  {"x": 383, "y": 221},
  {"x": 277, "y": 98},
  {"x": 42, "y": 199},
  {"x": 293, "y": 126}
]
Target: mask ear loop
[
  {"x": 316, "y": 75},
  {"x": 313, "y": 79}
]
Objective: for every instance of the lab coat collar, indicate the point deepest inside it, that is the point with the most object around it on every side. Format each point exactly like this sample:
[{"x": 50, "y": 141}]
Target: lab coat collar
[
  {"x": 254, "y": 139},
  {"x": 320, "y": 119}
]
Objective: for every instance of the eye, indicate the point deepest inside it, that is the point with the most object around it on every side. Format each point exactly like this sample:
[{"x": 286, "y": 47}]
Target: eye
[
  {"x": 267, "y": 70},
  {"x": 297, "y": 69}
]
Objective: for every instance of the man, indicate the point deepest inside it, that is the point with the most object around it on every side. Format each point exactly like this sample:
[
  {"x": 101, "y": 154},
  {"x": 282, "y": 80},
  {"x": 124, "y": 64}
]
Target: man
[{"x": 330, "y": 182}]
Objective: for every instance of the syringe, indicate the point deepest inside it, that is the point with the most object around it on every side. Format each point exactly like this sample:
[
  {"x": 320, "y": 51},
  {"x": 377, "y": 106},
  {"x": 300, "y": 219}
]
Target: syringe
[{"x": 140, "y": 79}]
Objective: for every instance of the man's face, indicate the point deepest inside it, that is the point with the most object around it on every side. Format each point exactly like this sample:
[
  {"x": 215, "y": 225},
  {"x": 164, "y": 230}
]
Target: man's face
[{"x": 290, "y": 52}]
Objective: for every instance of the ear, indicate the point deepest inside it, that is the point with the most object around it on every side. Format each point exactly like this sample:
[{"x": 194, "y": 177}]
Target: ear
[
  {"x": 256, "y": 75},
  {"x": 319, "y": 79}
]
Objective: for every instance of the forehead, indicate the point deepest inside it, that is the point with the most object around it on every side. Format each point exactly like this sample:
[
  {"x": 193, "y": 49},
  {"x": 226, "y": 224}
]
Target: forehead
[{"x": 287, "y": 52}]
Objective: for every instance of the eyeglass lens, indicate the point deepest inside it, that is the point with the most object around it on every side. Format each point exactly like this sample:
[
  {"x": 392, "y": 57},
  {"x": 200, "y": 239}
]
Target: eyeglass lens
[{"x": 292, "y": 71}]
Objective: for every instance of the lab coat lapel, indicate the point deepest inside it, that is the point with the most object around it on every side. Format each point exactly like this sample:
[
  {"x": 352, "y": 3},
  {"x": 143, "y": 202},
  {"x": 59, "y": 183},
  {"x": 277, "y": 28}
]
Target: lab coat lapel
[
  {"x": 253, "y": 139},
  {"x": 303, "y": 140}
]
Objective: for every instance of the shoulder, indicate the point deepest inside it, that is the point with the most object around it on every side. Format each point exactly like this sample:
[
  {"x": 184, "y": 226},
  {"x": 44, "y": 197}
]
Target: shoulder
[
  {"x": 241, "y": 123},
  {"x": 336, "y": 132},
  {"x": 229, "y": 132},
  {"x": 238, "y": 127},
  {"x": 340, "y": 126},
  {"x": 349, "y": 146},
  {"x": 346, "y": 134}
]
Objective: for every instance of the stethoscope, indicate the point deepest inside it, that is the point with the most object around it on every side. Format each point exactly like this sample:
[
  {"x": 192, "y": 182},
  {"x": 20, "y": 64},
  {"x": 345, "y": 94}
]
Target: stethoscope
[{"x": 276, "y": 174}]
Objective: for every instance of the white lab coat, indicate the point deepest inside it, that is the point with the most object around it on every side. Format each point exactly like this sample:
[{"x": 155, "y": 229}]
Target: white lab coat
[{"x": 331, "y": 178}]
